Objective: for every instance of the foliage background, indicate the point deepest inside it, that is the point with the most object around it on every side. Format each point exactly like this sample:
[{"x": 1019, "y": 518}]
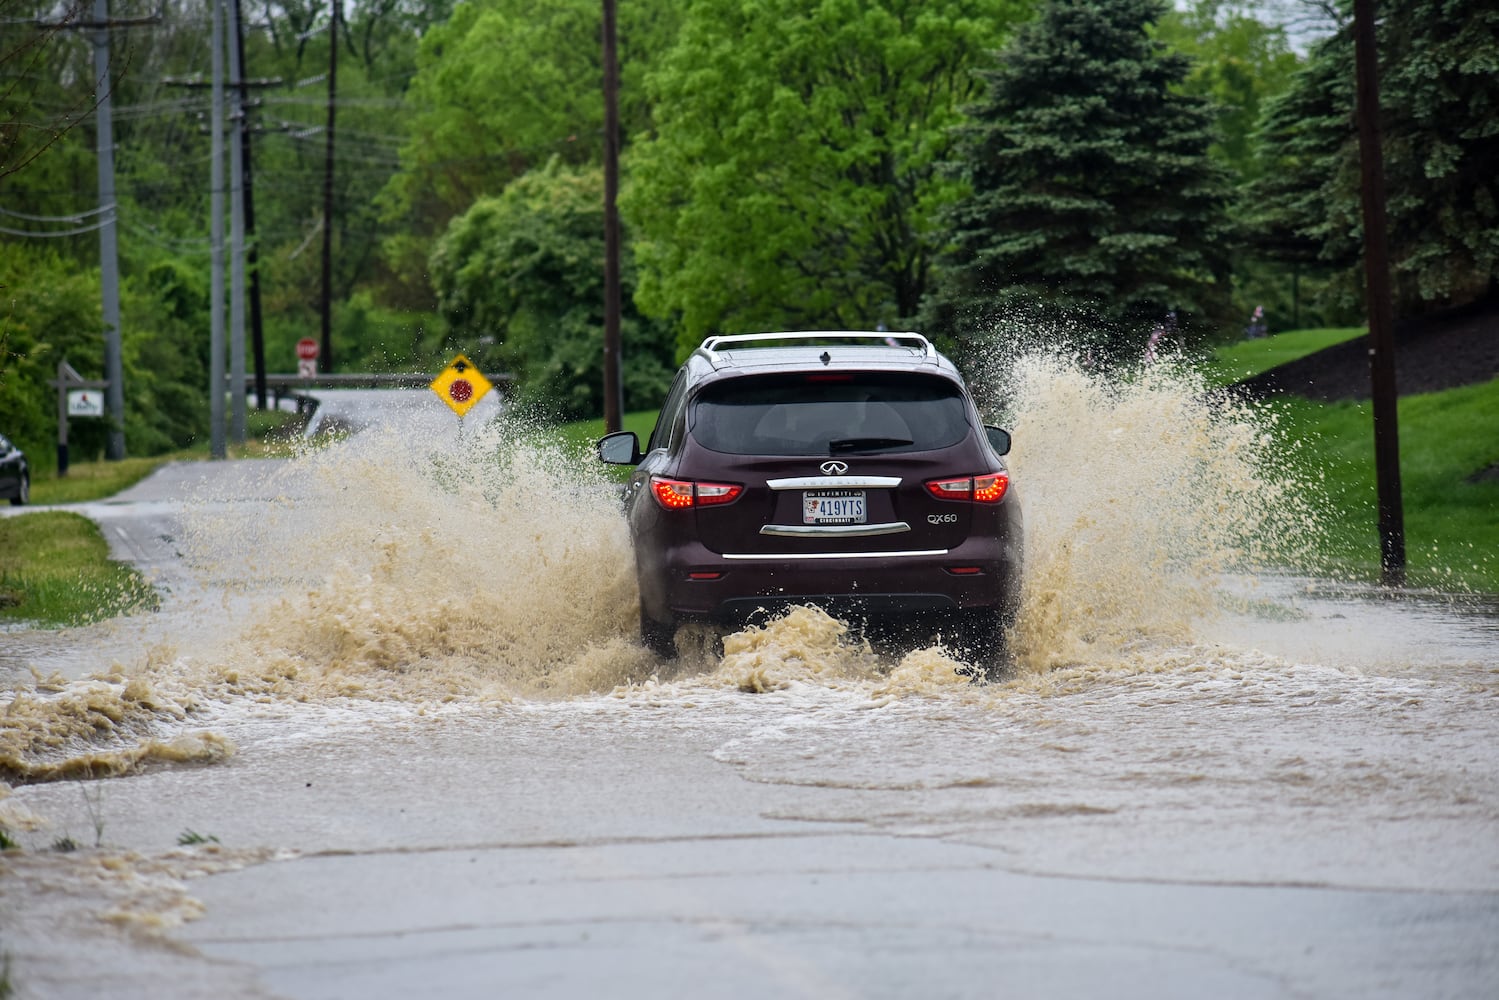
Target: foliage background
[{"x": 788, "y": 163}]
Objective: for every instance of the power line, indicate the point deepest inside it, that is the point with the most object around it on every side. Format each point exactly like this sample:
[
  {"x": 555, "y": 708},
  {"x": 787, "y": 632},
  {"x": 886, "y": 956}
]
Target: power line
[
  {"x": 74, "y": 217},
  {"x": 57, "y": 234}
]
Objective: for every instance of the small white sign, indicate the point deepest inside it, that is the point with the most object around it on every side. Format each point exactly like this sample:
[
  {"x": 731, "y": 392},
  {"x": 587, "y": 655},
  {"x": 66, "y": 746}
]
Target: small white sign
[
  {"x": 85, "y": 402},
  {"x": 307, "y": 368}
]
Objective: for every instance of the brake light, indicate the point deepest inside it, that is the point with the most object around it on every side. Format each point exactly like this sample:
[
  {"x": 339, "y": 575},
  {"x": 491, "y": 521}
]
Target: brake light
[
  {"x": 673, "y": 494},
  {"x": 990, "y": 488},
  {"x": 679, "y": 494}
]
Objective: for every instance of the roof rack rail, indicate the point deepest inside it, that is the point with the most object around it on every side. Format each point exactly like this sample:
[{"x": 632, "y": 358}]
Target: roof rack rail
[{"x": 711, "y": 346}]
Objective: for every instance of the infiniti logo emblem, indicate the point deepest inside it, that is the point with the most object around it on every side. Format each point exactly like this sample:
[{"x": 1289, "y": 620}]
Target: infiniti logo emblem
[{"x": 834, "y": 468}]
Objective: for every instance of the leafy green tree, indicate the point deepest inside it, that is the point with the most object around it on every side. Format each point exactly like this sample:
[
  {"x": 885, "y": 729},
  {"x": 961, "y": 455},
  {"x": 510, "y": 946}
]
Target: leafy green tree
[
  {"x": 1094, "y": 200},
  {"x": 36, "y": 110},
  {"x": 1439, "y": 95},
  {"x": 520, "y": 281},
  {"x": 792, "y": 180},
  {"x": 1238, "y": 61},
  {"x": 503, "y": 87},
  {"x": 49, "y": 312}
]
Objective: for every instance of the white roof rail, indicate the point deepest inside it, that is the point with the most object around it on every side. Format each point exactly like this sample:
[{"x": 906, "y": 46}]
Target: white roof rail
[{"x": 713, "y": 345}]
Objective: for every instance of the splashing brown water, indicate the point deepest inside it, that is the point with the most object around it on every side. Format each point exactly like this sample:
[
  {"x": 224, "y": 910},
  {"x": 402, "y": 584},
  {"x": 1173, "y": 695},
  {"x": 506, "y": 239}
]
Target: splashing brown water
[
  {"x": 1140, "y": 494},
  {"x": 497, "y": 568}
]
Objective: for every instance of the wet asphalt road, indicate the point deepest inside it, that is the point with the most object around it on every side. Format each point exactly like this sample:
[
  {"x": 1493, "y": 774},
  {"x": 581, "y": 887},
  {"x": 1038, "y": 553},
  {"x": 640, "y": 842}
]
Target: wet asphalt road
[{"x": 802, "y": 843}]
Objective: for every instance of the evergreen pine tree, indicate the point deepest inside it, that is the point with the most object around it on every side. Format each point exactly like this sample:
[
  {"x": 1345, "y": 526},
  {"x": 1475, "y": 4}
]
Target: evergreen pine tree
[
  {"x": 1439, "y": 119},
  {"x": 1094, "y": 201}
]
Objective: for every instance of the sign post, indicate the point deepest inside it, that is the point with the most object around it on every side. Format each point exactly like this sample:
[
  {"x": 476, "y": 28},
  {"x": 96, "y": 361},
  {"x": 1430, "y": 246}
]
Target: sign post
[
  {"x": 461, "y": 386},
  {"x": 78, "y": 397},
  {"x": 307, "y": 353}
]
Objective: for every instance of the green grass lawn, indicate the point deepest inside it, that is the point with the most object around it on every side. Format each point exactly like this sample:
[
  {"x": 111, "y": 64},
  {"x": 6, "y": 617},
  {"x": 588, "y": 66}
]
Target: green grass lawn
[
  {"x": 1446, "y": 440},
  {"x": 1247, "y": 358},
  {"x": 55, "y": 570},
  {"x": 583, "y": 433}
]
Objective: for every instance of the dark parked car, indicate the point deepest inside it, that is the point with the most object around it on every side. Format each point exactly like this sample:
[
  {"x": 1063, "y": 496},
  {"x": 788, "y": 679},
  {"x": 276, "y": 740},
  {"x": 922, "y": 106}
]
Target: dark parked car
[
  {"x": 15, "y": 476},
  {"x": 845, "y": 470}
]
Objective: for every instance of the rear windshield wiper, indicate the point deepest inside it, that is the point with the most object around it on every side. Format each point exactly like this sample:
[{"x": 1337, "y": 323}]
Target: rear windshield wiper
[{"x": 867, "y": 444}]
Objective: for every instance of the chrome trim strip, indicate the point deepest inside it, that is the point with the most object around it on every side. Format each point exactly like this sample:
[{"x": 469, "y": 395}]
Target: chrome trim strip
[
  {"x": 782, "y": 556},
  {"x": 833, "y": 482},
  {"x": 839, "y": 530}
]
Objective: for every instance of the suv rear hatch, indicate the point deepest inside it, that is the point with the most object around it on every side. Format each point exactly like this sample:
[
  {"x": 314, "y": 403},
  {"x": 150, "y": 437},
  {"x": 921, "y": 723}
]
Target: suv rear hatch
[{"x": 832, "y": 462}]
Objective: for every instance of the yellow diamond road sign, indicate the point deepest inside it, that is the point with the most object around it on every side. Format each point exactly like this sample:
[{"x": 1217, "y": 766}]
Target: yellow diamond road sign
[{"x": 461, "y": 385}]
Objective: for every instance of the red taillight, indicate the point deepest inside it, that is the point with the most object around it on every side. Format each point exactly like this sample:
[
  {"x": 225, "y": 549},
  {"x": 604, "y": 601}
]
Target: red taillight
[
  {"x": 673, "y": 494},
  {"x": 990, "y": 489},
  {"x": 980, "y": 489},
  {"x": 679, "y": 494}
]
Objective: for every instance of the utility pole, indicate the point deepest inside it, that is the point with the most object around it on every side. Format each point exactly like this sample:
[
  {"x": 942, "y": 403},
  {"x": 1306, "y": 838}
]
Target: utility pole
[
  {"x": 252, "y": 253},
  {"x": 325, "y": 356},
  {"x": 251, "y": 256},
  {"x": 613, "y": 372},
  {"x": 1377, "y": 297},
  {"x": 109, "y": 256},
  {"x": 216, "y": 447},
  {"x": 236, "y": 234}
]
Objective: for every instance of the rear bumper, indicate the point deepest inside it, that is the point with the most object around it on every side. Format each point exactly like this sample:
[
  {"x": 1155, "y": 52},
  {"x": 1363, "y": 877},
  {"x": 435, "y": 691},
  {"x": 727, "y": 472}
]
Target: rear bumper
[{"x": 695, "y": 583}]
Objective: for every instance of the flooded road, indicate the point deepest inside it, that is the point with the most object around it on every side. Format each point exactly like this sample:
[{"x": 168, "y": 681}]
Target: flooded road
[{"x": 391, "y": 734}]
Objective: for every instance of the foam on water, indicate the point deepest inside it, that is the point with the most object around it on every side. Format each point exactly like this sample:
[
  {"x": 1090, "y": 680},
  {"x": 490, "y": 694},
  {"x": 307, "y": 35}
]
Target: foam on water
[{"x": 422, "y": 570}]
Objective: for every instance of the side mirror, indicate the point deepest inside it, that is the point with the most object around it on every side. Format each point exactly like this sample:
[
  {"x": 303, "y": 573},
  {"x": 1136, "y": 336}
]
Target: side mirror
[
  {"x": 619, "y": 448},
  {"x": 999, "y": 439}
]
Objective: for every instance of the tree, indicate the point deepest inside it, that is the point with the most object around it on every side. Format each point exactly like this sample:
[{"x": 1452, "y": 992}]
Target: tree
[
  {"x": 1307, "y": 149},
  {"x": 792, "y": 179},
  {"x": 1238, "y": 61},
  {"x": 1439, "y": 94},
  {"x": 519, "y": 280},
  {"x": 1094, "y": 201},
  {"x": 500, "y": 88},
  {"x": 49, "y": 312}
]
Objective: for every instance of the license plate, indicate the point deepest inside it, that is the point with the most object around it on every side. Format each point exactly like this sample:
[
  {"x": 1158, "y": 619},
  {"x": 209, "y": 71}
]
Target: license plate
[{"x": 833, "y": 507}]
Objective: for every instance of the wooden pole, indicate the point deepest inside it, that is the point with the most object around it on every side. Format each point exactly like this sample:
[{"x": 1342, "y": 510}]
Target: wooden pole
[
  {"x": 325, "y": 356},
  {"x": 1377, "y": 297},
  {"x": 613, "y": 378}
]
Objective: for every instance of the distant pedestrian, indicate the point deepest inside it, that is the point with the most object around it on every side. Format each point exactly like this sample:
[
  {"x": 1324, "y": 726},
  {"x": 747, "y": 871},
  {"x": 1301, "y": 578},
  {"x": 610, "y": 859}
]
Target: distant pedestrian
[
  {"x": 1257, "y": 327},
  {"x": 1173, "y": 332},
  {"x": 1154, "y": 342}
]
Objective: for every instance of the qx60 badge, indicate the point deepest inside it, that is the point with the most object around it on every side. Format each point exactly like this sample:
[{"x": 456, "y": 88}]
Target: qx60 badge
[{"x": 833, "y": 468}]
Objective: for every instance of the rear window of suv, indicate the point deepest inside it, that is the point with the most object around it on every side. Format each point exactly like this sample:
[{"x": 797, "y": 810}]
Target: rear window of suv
[{"x": 829, "y": 413}]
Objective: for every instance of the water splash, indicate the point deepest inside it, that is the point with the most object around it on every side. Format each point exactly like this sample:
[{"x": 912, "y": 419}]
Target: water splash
[
  {"x": 1140, "y": 493},
  {"x": 422, "y": 569}
]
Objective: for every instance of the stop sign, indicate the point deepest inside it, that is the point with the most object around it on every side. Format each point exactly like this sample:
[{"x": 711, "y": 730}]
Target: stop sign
[{"x": 307, "y": 349}]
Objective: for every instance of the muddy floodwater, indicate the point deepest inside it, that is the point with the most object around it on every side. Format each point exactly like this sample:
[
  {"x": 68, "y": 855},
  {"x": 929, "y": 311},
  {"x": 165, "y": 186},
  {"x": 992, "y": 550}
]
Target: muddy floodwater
[{"x": 391, "y": 734}]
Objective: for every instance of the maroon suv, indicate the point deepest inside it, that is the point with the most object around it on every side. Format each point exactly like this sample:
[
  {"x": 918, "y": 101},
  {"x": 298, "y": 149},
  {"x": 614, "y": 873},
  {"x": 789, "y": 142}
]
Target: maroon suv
[{"x": 846, "y": 470}]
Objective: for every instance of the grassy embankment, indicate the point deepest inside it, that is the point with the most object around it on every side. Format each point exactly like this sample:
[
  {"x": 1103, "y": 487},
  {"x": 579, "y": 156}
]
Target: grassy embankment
[
  {"x": 581, "y": 435},
  {"x": 1447, "y": 440},
  {"x": 55, "y": 568}
]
